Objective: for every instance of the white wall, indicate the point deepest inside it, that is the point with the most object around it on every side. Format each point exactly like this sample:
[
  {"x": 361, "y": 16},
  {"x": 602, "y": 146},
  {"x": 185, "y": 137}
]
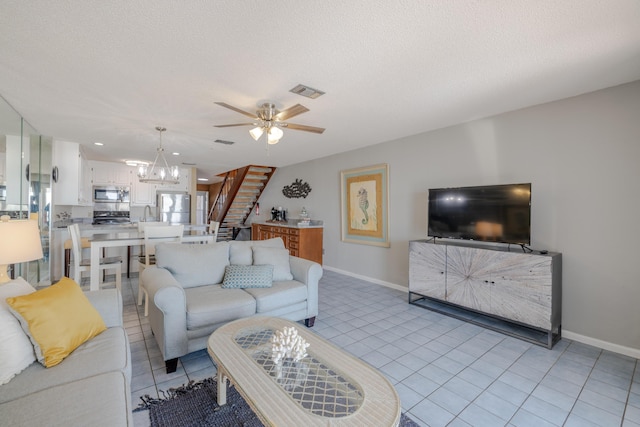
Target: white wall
[{"x": 582, "y": 156}]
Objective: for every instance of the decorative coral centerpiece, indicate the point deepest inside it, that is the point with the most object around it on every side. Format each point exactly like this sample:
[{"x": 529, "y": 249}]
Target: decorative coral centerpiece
[{"x": 286, "y": 344}]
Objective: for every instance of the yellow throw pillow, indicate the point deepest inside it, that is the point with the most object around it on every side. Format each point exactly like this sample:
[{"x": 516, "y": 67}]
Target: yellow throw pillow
[{"x": 57, "y": 319}]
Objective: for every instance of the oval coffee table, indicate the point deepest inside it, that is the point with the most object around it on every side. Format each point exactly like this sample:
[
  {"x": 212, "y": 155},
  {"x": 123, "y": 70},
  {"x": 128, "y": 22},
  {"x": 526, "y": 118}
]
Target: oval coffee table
[{"x": 327, "y": 387}]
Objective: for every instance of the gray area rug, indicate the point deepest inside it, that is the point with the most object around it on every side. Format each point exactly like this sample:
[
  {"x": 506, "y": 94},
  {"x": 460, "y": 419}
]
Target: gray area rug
[{"x": 194, "y": 405}]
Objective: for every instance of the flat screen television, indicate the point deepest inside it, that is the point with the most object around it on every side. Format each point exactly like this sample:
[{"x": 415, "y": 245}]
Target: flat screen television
[{"x": 491, "y": 213}]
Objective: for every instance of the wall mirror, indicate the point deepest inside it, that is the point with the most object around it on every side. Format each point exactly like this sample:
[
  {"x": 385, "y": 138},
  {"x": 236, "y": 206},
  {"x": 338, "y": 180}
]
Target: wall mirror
[{"x": 25, "y": 184}]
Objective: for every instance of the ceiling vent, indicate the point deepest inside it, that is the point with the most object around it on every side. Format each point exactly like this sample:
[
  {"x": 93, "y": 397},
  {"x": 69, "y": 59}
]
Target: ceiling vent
[
  {"x": 307, "y": 91},
  {"x": 188, "y": 164},
  {"x": 222, "y": 141}
]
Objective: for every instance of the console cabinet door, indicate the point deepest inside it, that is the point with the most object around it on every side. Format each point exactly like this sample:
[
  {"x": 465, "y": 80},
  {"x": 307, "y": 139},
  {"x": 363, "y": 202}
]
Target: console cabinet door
[
  {"x": 469, "y": 277},
  {"x": 427, "y": 269},
  {"x": 521, "y": 288}
]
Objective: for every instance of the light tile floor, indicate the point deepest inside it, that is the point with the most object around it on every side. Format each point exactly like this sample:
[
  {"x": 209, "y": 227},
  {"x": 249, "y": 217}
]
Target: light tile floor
[{"x": 447, "y": 372}]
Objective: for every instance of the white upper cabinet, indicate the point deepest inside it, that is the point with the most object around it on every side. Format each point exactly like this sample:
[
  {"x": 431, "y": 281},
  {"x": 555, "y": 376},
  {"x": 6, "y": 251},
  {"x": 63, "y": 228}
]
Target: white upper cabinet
[
  {"x": 3, "y": 167},
  {"x": 71, "y": 175},
  {"x": 110, "y": 173}
]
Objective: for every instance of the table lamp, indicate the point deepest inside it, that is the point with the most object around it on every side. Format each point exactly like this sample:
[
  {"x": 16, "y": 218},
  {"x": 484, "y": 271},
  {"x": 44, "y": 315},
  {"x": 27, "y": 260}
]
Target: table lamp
[{"x": 19, "y": 242}]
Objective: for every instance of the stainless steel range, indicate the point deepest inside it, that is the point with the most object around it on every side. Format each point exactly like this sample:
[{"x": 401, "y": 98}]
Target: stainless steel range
[{"x": 111, "y": 217}]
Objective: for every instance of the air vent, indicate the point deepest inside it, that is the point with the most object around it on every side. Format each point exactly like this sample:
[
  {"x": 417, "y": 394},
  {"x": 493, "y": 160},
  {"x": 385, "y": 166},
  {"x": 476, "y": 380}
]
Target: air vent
[
  {"x": 188, "y": 164},
  {"x": 222, "y": 141},
  {"x": 307, "y": 91}
]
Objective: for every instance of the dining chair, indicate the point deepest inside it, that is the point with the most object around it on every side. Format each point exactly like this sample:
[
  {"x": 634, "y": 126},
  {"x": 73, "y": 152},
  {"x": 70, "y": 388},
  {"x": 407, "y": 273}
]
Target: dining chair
[
  {"x": 212, "y": 228},
  {"x": 152, "y": 236},
  {"x": 80, "y": 264}
]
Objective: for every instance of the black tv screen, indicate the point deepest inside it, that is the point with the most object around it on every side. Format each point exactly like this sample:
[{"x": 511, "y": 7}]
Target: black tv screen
[{"x": 494, "y": 213}]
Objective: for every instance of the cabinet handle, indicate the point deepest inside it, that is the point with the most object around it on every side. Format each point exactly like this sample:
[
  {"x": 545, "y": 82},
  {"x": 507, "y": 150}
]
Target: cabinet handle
[
  {"x": 54, "y": 174},
  {"x": 27, "y": 172}
]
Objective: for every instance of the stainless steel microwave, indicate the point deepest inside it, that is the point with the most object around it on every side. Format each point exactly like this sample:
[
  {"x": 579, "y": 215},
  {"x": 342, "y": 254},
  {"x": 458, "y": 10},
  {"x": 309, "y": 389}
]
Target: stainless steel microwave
[{"x": 106, "y": 194}]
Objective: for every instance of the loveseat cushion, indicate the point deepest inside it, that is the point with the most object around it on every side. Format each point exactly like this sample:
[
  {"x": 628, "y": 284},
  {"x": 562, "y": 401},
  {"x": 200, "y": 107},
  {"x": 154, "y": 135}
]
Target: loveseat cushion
[
  {"x": 102, "y": 400},
  {"x": 280, "y": 294},
  {"x": 240, "y": 250},
  {"x": 194, "y": 265},
  {"x": 209, "y": 305},
  {"x": 279, "y": 258},
  {"x": 16, "y": 350},
  {"x": 106, "y": 352}
]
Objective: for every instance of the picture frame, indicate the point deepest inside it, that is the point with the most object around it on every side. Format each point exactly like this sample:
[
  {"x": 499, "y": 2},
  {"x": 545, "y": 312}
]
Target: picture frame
[{"x": 364, "y": 195}]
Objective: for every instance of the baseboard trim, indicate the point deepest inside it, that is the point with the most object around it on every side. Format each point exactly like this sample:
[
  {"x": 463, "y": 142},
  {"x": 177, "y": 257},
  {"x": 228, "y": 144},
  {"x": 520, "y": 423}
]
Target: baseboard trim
[
  {"x": 605, "y": 345},
  {"x": 368, "y": 279}
]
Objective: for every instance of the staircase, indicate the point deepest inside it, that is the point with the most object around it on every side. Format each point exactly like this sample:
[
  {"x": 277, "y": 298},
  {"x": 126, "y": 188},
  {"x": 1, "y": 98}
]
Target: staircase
[{"x": 238, "y": 193}]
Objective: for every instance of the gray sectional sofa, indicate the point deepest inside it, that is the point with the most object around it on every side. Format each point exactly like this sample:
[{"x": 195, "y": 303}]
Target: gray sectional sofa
[
  {"x": 90, "y": 387},
  {"x": 187, "y": 300}
]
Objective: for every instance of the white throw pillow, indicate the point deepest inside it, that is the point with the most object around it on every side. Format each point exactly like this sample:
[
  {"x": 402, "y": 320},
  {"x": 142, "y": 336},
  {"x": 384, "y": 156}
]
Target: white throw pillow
[
  {"x": 16, "y": 351},
  {"x": 279, "y": 258}
]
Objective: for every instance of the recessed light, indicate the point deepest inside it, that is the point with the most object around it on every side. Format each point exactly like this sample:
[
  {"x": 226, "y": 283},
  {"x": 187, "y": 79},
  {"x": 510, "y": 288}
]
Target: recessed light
[
  {"x": 203, "y": 179},
  {"x": 98, "y": 143},
  {"x": 175, "y": 153}
]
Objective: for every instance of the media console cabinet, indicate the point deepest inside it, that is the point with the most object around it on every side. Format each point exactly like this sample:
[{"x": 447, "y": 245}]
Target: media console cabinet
[{"x": 511, "y": 291}]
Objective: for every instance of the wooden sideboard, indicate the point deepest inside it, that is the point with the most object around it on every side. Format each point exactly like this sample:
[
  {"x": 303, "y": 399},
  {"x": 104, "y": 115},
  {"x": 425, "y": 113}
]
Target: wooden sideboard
[{"x": 303, "y": 242}]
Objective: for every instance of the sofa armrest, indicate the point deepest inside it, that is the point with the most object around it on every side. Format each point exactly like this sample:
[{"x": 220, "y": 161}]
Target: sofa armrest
[
  {"x": 309, "y": 273},
  {"x": 167, "y": 311},
  {"x": 108, "y": 302}
]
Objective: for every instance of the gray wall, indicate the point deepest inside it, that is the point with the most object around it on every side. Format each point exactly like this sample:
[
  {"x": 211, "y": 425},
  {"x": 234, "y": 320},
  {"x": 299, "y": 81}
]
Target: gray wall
[{"x": 582, "y": 156}]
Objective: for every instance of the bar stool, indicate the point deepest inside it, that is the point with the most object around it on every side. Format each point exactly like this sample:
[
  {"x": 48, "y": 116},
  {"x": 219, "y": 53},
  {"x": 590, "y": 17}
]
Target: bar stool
[
  {"x": 80, "y": 265},
  {"x": 68, "y": 245}
]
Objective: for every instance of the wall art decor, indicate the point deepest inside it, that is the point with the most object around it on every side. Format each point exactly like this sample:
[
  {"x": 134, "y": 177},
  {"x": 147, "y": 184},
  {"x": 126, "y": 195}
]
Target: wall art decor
[
  {"x": 365, "y": 205},
  {"x": 296, "y": 190}
]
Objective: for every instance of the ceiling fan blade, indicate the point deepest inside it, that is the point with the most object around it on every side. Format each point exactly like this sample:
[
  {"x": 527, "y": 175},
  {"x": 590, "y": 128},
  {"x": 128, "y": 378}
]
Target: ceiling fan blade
[
  {"x": 237, "y": 110},
  {"x": 291, "y": 112},
  {"x": 304, "y": 128},
  {"x": 235, "y": 124}
]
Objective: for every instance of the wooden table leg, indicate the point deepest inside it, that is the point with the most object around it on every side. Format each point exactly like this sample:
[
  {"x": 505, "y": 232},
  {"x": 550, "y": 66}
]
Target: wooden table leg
[{"x": 222, "y": 388}]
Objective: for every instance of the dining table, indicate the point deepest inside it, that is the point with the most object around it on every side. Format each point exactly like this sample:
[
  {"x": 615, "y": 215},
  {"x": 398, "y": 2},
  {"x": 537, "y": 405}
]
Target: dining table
[{"x": 123, "y": 238}]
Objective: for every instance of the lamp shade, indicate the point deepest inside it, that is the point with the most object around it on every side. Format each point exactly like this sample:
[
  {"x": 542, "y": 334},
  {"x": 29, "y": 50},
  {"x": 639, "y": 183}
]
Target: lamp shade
[{"x": 20, "y": 243}]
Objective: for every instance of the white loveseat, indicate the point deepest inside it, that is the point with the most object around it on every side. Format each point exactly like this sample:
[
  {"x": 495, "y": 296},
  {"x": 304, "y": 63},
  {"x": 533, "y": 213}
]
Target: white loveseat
[
  {"x": 188, "y": 300},
  {"x": 90, "y": 387}
]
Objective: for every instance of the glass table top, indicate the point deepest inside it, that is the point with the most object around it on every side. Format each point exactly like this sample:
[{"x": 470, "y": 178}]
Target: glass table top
[{"x": 312, "y": 383}]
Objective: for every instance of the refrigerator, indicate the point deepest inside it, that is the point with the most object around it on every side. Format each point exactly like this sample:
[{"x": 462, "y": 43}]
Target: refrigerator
[{"x": 174, "y": 207}]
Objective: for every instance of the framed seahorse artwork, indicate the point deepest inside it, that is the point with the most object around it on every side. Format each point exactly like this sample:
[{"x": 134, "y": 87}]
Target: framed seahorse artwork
[{"x": 365, "y": 205}]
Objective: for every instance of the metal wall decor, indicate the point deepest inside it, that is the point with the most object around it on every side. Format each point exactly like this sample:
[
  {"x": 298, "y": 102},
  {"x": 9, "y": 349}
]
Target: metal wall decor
[{"x": 296, "y": 190}]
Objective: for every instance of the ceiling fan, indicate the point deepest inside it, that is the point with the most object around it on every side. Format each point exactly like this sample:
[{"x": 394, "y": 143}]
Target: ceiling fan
[{"x": 268, "y": 119}]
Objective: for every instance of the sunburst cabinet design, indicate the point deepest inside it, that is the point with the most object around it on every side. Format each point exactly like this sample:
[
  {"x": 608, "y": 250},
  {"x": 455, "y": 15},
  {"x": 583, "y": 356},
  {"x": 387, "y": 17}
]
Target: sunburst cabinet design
[{"x": 521, "y": 288}]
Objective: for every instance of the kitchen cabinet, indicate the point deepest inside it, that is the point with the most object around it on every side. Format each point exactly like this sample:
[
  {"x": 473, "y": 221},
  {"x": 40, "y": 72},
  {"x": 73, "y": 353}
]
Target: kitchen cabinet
[
  {"x": 303, "y": 242},
  {"x": 519, "y": 287},
  {"x": 72, "y": 175},
  {"x": 110, "y": 173},
  {"x": 142, "y": 193}
]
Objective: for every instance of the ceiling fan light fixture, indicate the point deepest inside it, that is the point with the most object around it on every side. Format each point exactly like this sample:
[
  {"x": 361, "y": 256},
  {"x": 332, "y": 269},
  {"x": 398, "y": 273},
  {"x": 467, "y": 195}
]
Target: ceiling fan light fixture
[
  {"x": 160, "y": 172},
  {"x": 274, "y": 135},
  {"x": 256, "y": 132}
]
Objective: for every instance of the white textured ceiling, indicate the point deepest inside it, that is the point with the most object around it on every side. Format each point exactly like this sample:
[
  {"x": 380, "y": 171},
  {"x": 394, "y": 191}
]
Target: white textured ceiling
[{"x": 110, "y": 71}]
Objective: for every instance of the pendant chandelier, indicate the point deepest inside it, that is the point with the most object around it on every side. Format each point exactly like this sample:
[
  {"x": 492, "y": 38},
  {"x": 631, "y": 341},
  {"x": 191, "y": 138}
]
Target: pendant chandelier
[{"x": 160, "y": 171}]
